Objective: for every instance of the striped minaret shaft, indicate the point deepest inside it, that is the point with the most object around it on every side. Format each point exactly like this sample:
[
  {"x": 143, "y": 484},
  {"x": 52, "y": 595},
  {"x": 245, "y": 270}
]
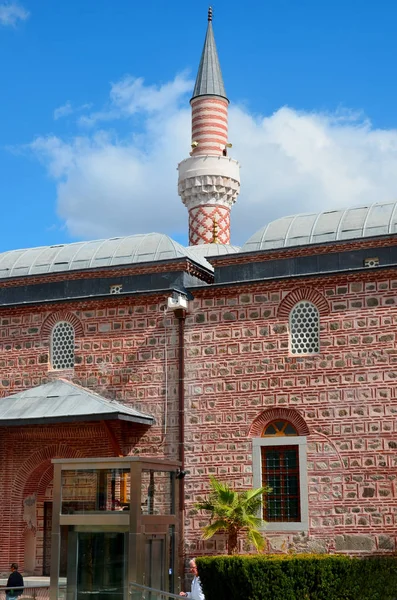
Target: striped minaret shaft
[
  {"x": 209, "y": 125},
  {"x": 209, "y": 180}
]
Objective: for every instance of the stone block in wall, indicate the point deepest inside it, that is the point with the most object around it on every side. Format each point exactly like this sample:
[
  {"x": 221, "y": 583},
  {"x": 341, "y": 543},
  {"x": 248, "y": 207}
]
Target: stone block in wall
[
  {"x": 317, "y": 546},
  {"x": 354, "y": 543},
  {"x": 278, "y": 544},
  {"x": 386, "y": 543}
]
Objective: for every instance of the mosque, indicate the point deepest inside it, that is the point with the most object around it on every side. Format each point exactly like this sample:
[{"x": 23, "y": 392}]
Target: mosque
[{"x": 274, "y": 363}]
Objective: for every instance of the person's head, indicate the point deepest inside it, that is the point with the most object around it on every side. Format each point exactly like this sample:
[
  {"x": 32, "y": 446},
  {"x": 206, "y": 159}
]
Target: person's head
[
  {"x": 14, "y": 567},
  {"x": 193, "y": 567}
]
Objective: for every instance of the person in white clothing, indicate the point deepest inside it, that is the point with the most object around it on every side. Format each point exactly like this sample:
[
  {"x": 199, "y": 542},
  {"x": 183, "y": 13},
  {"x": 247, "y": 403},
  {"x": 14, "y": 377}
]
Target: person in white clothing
[{"x": 196, "y": 592}]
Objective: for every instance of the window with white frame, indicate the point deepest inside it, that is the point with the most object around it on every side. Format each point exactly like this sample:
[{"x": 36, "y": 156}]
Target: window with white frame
[
  {"x": 62, "y": 346},
  {"x": 304, "y": 324},
  {"x": 279, "y": 462}
]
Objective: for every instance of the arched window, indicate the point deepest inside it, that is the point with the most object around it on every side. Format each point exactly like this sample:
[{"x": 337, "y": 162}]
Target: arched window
[
  {"x": 279, "y": 461},
  {"x": 279, "y": 428},
  {"x": 304, "y": 323},
  {"x": 62, "y": 346}
]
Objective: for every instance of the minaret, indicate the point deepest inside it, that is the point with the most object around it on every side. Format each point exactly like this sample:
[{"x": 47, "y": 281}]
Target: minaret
[{"x": 209, "y": 181}]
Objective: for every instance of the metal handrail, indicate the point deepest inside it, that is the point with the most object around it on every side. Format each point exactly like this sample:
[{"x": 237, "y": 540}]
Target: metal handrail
[
  {"x": 31, "y": 591},
  {"x": 28, "y": 584},
  {"x": 163, "y": 595}
]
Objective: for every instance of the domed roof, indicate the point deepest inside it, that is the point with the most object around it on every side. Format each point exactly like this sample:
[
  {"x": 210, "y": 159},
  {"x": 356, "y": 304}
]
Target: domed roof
[
  {"x": 118, "y": 251},
  {"x": 212, "y": 249},
  {"x": 333, "y": 225}
]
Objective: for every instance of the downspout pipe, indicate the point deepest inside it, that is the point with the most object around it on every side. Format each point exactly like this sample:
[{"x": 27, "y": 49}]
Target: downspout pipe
[{"x": 181, "y": 316}]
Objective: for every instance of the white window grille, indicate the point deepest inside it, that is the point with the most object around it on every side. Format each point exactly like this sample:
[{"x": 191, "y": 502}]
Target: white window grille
[
  {"x": 371, "y": 262},
  {"x": 304, "y": 324},
  {"x": 116, "y": 288},
  {"x": 62, "y": 346}
]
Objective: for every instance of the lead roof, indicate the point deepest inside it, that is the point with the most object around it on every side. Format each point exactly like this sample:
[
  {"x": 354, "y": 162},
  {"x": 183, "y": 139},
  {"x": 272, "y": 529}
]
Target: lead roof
[
  {"x": 117, "y": 251},
  {"x": 209, "y": 79},
  {"x": 62, "y": 401},
  {"x": 329, "y": 226}
]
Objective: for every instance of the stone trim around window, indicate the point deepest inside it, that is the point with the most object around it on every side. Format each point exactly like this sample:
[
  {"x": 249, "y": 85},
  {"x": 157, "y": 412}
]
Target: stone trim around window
[{"x": 301, "y": 441}]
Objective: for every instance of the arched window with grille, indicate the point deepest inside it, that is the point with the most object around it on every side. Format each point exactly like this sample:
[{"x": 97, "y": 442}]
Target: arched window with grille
[
  {"x": 62, "y": 346},
  {"x": 304, "y": 325},
  {"x": 279, "y": 462},
  {"x": 280, "y": 471}
]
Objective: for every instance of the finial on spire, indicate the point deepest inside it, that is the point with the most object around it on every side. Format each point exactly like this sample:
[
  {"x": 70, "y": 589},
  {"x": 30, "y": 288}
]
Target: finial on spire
[{"x": 209, "y": 14}]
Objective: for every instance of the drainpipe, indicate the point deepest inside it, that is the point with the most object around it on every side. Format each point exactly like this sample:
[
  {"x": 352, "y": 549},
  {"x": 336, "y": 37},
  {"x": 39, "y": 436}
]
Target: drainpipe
[
  {"x": 181, "y": 316},
  {"x": 178, "y": 303}
]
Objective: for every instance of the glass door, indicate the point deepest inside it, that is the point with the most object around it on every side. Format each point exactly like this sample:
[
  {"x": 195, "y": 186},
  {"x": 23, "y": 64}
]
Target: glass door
[
  {"x": 154, "y": 562},
  {"x": 101, "y": 565}
]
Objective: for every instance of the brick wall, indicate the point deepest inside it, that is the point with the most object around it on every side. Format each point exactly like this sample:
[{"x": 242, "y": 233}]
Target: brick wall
[
  {"x": 120, "y": 353},
  {"x": 238, "y": 365}
]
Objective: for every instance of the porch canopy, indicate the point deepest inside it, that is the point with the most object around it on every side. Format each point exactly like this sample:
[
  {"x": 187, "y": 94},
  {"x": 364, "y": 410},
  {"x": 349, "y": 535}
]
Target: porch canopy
[{"x": 63, "y": 402}]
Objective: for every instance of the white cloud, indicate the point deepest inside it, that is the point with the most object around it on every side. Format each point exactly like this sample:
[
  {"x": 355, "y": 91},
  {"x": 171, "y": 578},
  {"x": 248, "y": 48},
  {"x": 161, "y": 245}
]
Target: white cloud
[
  {"x": 11, "y": 13},
  {"x": 67, "y": 109},
  {"x": 291, "y": 162},
  {"x": 63, "y": 111},
  {"x": 131, "y": 96}
]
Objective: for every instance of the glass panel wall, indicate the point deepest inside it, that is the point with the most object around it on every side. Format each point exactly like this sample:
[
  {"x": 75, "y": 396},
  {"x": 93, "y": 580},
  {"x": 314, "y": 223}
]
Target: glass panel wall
[
  {"x": 157, "y": 492},
  {"x": 93, "y": 490},
  {"x": 105, "y": 548}
]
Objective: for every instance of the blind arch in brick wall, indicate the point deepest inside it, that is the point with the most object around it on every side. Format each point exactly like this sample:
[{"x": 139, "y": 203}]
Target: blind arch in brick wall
[
  {"x": 299, "y": 294},
  {"x": 282, "y": 414},
  {"x": 46, "y": 478},
  {"x": 24, "y": 484},
  {"x": 29, "y": 474},
  {"x": 61, "y": 315}
]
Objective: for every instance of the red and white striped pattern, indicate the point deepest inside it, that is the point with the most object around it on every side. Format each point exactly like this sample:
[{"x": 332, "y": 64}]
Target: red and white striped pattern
[{"x": 209, "y": 124}]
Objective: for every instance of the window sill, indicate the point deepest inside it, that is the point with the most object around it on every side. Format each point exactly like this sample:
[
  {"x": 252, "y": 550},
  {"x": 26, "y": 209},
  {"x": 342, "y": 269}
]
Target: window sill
[
  {"x": 285, "y": 527},
  {"x": 60, "y": 373}
]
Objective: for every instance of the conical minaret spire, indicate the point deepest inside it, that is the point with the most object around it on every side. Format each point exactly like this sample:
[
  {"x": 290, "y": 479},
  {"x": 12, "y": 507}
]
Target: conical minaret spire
[
  {"x": 209, "y": 181},
  {"x": 209, "y": 80}
]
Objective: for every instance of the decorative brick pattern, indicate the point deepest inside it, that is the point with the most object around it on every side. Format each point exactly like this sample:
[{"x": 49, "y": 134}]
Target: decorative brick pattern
[
  {"x": 303, "y": 293},
  {"x": 202, "y": 222},
  {"x": 209, "y": 125},
  {"x": 61, "y": 315},
  {"x": 120, "y": 353},
  {"x": 239, "y": 375},
  {"x": 282, "y": 414}
]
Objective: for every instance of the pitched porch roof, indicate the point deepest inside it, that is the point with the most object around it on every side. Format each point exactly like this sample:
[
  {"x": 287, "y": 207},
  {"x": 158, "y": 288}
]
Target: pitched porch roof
[{"x": 63, "y": 402}]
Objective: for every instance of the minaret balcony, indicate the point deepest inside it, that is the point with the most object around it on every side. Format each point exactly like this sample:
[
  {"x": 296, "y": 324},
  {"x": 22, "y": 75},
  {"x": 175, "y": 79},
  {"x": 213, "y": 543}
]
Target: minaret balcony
[
  {"x": 202, "y": 165},
  {"x": 209, "y": 180}
]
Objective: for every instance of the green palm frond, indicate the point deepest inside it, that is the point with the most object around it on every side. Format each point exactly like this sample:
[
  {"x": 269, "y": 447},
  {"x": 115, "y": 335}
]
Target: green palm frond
[
  {"x": 232, "y": 510},
  {"x": 256, "y": 538},
  {"x": 254, "y": 521},
  {"x": 213, "y": 528},
  {"x": 205, "y": 506}
]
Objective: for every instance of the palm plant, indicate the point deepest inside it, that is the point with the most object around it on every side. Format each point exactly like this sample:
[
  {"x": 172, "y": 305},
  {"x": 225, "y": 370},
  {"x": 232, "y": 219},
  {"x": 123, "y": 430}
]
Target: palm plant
[{"x": 233, "y": 512}]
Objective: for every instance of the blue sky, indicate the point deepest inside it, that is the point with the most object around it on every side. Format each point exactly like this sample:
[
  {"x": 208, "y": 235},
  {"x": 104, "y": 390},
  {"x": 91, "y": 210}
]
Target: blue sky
[{"x": 95, "y": 114}]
